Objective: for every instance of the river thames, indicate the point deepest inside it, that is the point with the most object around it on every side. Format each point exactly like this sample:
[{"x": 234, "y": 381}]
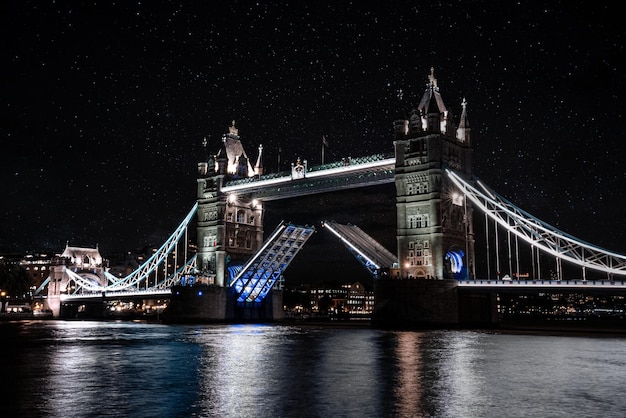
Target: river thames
[{"x": 138, "y": 369}]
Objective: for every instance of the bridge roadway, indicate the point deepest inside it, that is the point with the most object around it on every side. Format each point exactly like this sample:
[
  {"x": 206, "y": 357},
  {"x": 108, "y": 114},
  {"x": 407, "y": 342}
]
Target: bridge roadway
[
  {"x": 530, "y": 285},
  {"x": 498, "y": 285},
  {"x": 117, "y": 295}
]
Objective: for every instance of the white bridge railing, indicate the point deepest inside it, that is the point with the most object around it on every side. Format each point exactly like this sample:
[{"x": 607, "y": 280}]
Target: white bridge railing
[{"x": 574, "y": 284}]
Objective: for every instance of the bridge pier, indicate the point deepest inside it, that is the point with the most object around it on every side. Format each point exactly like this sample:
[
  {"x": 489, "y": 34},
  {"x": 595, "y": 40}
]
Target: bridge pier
[
  {"x": 415, "y": 303},
  {"x": 200, "y": 303},
  {"x": 478, "y": 309},
  {"x": 54, "y": 304},
  {"x": 269, "y": 309},
  {"x": 432, "y": 304},
  {"x": 204, "y": 303}
]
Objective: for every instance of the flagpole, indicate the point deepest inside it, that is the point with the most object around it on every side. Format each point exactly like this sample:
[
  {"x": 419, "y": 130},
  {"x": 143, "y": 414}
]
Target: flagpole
[{"x": 322, "y": 151}]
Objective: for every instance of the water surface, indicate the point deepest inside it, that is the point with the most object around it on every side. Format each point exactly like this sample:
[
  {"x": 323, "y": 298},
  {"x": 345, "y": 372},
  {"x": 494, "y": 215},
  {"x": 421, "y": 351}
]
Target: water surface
[{"x": 135, "y": 369}]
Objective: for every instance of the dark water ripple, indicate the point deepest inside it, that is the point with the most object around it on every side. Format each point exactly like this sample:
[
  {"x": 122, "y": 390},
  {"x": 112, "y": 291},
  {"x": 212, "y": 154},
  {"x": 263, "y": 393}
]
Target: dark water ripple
[{"x": 134, "y": 369}]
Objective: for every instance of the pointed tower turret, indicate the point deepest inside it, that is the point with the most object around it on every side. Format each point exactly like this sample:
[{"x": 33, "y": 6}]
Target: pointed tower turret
[
  {"x": 242, "y": 166},
  {"x": 400, "y": 125},
  {"x": 432, "y": 110},
  {"x": 221, "y": 159},
  {"x": 203, "y": 165},
  {"x": 463, "y": 131},
  {"x": 258, "y": 168},
  {"x": 234, "y": 150}
]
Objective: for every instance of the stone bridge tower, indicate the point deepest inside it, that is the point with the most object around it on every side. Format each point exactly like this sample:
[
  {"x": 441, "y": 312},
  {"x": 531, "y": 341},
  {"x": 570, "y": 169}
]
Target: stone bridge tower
[
  {"x": 85, "y": 262},
  {"x": 435, "y": 233},
  {"x": 230, "y": 226}
]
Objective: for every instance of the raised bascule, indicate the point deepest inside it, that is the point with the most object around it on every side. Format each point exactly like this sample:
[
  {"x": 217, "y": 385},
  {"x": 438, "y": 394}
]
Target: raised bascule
[{"x": 236, "y": 270}]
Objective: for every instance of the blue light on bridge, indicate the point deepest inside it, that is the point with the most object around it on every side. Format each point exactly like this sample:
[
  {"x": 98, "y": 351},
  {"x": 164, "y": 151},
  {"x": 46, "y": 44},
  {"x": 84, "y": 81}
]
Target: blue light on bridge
[{"x": 456, "y": 260}]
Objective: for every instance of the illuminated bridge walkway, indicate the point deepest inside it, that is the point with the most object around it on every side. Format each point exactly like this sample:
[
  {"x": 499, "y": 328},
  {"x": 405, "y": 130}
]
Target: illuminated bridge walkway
[
  {"x": 155, "y": 277},
  {"x": 347, "y": 174}
]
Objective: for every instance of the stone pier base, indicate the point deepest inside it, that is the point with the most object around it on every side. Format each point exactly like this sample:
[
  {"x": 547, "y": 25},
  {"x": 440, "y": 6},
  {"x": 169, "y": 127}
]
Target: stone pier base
[
  {"x": 415, "y": 303},
  {"x": 217, "y": 304},
  {"x": 199, "y": 304}
]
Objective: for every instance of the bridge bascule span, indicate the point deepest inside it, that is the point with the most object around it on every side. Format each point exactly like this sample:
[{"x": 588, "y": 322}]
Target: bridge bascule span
[
  {"x": 370, "y": 253},
  {"x": 541, "y": 236},
  {"x": 254, "y": 281}
]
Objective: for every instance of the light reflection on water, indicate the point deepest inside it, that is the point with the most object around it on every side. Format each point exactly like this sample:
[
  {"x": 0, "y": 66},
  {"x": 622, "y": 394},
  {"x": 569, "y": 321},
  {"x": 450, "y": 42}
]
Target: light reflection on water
[{"x": 133, "y": 369}]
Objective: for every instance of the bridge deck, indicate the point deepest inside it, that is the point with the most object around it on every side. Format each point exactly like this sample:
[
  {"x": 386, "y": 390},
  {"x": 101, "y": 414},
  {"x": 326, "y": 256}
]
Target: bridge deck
[
  {"x": 562, "y": 284},
  {"x": 263, "y": 270}
]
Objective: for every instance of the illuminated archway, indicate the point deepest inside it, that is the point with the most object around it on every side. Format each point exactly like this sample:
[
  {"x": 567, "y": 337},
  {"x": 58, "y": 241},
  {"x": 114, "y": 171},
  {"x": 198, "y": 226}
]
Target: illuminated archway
[{"x": 455, "y": 257}]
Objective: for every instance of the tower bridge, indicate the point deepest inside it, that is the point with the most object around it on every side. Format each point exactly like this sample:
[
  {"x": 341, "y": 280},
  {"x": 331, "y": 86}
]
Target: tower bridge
[{"x": 238, "y": 269}]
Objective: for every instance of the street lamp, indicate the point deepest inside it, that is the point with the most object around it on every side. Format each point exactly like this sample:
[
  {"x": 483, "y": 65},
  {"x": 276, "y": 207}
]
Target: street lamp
[{"x": 3, "y": 298}]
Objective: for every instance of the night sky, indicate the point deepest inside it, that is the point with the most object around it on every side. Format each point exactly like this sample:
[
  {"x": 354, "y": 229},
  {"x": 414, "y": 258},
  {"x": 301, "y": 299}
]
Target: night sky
[{"x": 105, "y": 105}]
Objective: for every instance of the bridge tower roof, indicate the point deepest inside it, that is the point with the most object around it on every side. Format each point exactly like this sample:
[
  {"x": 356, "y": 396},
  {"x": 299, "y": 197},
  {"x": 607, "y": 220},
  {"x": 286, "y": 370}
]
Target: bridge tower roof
[
  {"x": 431, "y": 102},
  {"x": 78, "y": 254},
  {"x": 235, "y": 151}
]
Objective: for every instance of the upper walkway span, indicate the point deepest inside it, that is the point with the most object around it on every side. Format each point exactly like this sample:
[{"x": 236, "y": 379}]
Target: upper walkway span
[{"x": 302, "y": 181}]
